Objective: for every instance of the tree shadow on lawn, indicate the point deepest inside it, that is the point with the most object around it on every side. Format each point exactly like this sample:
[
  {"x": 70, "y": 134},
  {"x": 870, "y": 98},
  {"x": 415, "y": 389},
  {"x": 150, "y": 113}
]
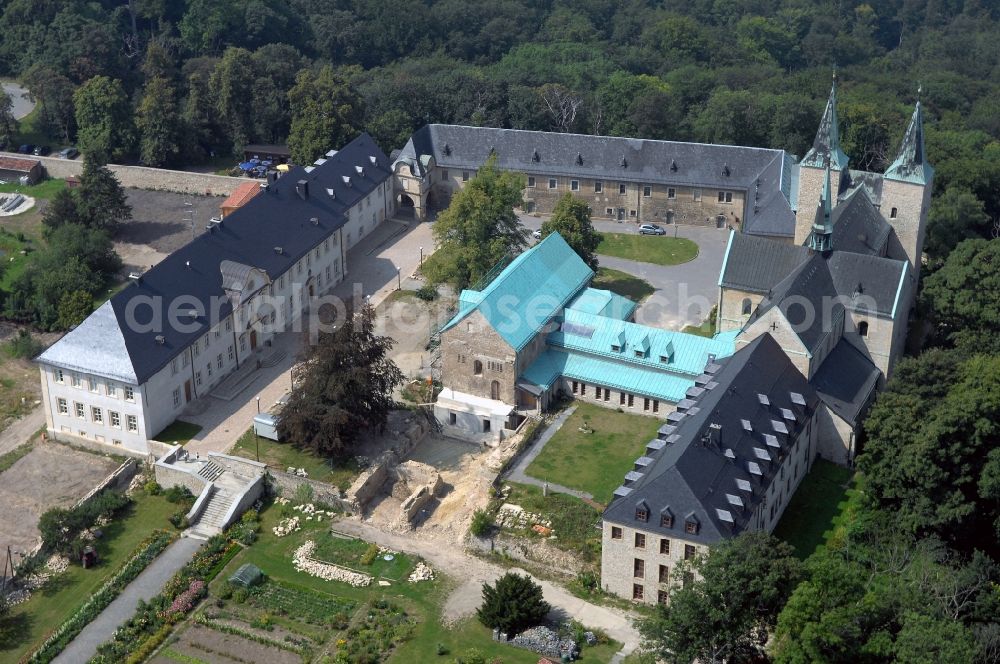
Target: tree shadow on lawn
[{"x": 15, "y": 628}]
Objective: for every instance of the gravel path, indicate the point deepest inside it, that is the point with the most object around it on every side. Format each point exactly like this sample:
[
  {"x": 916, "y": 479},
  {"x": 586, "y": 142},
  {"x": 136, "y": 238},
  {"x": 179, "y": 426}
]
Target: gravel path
[
  {"x": 474, "y": 572},
  {"x": 145, "y": 586}
]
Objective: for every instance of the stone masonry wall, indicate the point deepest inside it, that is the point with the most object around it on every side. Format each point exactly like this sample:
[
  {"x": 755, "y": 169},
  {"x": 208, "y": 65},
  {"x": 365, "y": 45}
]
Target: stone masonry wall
[
  {"x": 142, "y": 177},
  {"x": 472, "y": 340},
  {"x": 911, "y": 202},
  {"x": 731, "y": 316}
]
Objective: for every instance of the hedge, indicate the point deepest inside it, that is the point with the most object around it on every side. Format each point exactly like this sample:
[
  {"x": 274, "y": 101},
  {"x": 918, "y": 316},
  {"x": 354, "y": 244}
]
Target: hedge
[{"x": 145, "y": 553}]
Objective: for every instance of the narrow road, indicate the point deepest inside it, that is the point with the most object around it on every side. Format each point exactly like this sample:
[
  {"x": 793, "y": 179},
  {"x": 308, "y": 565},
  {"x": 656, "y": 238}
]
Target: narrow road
[
  {"x": 145, "y": 586},
  {"x": 519, "y": 473},
  {"x": 474, "y": 572},
  {"x": 20, "y": 431}
]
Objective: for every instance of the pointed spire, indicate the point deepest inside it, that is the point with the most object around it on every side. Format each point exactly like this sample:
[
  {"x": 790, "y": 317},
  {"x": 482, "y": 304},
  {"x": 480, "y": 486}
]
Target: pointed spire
[
  {"x": 821, "y": 237},
  {"x": 826, "y": 146},
  {"x": 911, "y": 161}
]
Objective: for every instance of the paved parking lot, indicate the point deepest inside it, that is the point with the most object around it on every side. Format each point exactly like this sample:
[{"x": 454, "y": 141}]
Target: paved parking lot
[{"x": 686, "y": 293}]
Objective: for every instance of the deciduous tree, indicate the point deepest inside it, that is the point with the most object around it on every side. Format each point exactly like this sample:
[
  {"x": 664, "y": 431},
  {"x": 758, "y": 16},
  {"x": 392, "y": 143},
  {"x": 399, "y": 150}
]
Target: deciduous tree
[
  {"x": 103, "y": 118},
  {"x": 159, "y": 124},
  {"x": 571, "y": 219},
  {"x": 478, "y": 229},
  {"x": 326, "y": 114},
  {"x": 346, "y": 388}
]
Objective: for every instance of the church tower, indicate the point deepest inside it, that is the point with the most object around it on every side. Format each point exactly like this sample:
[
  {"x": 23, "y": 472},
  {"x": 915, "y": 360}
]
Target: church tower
[
  {"x": 825, "y": 153},
  {"x": 906, "y": 194}
]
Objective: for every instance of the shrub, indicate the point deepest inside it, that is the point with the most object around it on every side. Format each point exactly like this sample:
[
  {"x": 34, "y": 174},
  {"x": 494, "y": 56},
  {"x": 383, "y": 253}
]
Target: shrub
[
  {"x": 472, "y": 656},
  {"x": 513, "y": 605},
  {"x": 178, "y": 494},
  {"x": 152, "y": 488},
  {"x": 427, "y": 293},
  {"x": 179, "y": 519},
  {"x": 23, "y": 345},
  {"x": 368, "y": 557},
  {"x": 303, "y": 493},
  {"x": 442, "y": 649},
  {"x": 59, "y": 527},
  {"x": 482, "y": 523}
]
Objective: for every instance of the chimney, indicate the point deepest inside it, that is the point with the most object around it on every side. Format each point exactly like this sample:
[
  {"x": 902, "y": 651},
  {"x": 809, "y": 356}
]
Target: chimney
[
  {"x": 715, "y": 435},
  {"x": 347, "y": 180},
  {"x": 160, "y": 339},
  {"x": 314, "y": 221},
  {"x": 302, "y": 189},
  {"x": 279, "y": 250}
]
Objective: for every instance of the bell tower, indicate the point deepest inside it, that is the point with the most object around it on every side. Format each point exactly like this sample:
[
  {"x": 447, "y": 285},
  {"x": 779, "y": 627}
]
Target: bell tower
[
  {"x": 824, "y": 154},
  {"x": 906, "y": 194}
]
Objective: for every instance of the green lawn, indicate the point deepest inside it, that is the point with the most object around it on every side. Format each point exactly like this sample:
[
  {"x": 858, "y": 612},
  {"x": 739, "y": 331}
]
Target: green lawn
[
  {"x": 30, "y": 130},
  {"x": 28, "y": 624},
  {"x": 706, "y": 329},
  {"x": 42, "y": 190},
  {"x": 178, "y": 431},
  {"x": 658, "y": 249},
  {"x": 351, "y": 552},
  {"x": 422, "y": 601},
  {"x": 282, "y": 455},
  {"x": 594, "y": 462},
  {"x": 622, "y": 283},
  {"x": 819, "y": 507}
]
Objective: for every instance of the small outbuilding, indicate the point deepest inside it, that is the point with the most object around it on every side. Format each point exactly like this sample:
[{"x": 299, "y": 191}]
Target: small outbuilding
[
  {"x": 240, "y": 196},
  {"x": 277, "y": 154},
  {"x": 247, "y": 576},
  {"x": 18, "y": 169}
]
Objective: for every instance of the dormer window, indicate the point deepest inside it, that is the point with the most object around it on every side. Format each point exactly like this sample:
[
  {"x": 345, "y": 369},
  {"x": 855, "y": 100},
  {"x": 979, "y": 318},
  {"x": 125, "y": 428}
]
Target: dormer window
[
  {"x": 642, "y": 512},
  {"x": 616, "y": 348},
  {"x": 666, "y": 519},
  {"x": 691, "y": 526},
  {"x": 640, "y": 353}
]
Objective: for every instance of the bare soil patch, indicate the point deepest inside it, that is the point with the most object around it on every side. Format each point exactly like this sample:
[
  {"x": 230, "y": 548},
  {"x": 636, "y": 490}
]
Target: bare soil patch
[
  {"x": 51, "y": 475},
  {"x": 162, "y": 222}
]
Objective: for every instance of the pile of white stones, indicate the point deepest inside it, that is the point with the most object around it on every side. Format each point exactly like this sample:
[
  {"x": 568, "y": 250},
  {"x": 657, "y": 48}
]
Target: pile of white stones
[
  {"x": 54, "y": 566},
  {"x": 515, "y": 516},
  {"x": 421, "y": 573},
  {"x": 287, "y": 527},
  {"x": 303, "y": 562},
  {"x": 299, "y": 472},
  {"x": 310, "y": 512}
]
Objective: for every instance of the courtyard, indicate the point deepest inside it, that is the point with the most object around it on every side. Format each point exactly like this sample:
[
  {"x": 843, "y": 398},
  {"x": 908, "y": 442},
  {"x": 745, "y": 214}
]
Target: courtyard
[{"x": 593, "y": 449}]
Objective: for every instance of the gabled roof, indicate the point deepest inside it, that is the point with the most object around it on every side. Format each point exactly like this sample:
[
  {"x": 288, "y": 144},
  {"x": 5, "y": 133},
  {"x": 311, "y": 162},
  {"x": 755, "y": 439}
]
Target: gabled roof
[
  {"x": 868, "y": 284},
  {"x": 858, "y": 226},
  {"x": 696, "y": 472},
  {"x": 607, "y": 157},
  {"x": 597, "y": 335},
  {"x": 911, "y": 164},
  {"x": 602, "y": 303},
  {"x": 278, "y": 218},
  {"x": 845, "y": 381},
  {"x": 757, "y": 264},
  {"x": 243, "y": 193},
  {"x": 528, "y": 292},
  {"x": 96, "y": 342},
  {"x": 18, "y": 164}
]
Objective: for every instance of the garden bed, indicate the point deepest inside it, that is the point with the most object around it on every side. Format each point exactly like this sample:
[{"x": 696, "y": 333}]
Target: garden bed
[{"x": 360, "y": 556}]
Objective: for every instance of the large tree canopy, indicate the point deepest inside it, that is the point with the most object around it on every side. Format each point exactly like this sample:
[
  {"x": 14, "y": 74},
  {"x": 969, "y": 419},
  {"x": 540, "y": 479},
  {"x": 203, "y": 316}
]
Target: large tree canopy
[
  {"x": 346, "y": 387},
  {"x": 963, "y": 296},
  {"x": 479, "y": 228},
  {"x": 104, "y": 118},
  {"x": 571, "y": 219}
]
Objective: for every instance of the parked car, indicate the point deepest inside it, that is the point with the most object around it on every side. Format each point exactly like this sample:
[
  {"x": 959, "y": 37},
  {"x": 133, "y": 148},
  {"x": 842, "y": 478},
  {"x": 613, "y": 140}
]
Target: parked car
[
  {"x": 651, "y": 229},
  {"x": 537, "y": 234},
  {"x": 68, "y": 153},
  {"x": 42, "y": 150},
  {"x": 27, "y": 148}
]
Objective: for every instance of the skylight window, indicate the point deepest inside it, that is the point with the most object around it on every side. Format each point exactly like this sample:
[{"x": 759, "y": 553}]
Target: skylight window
[
  {"x": 754, "y": 468},
  {"x": 724, "y": 515},
  {"x": 787, "y": 414},
  {"x": 730, "y": 454},
  {"x": 761, "y": 454},
  {"x": 779, "y": 426},
  {"x": 798, "y": 399},
  {"x": 746, "y": 425},
  {"x": 764, "y": 401},
  {"x": 735, "y": 501},
  {"x": 771, "y": 440},
  {"x": 744, "y": 485}
]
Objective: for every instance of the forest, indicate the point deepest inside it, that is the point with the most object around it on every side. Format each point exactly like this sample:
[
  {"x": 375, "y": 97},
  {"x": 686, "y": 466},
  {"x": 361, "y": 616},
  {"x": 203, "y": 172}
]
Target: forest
[{"x": 912, "y": 575}]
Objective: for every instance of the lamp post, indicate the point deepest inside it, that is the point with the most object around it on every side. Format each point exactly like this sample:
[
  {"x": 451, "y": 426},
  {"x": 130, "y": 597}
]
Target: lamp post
[
  {"x": 399, "y": 281},
  {"x": 421, "y": 255},
  {"x": 257, "y": 435}
]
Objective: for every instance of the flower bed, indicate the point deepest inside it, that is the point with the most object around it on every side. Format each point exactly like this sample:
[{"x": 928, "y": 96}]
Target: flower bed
[
  {"x": 303, "y": 561},
  {"x": 145, "y": 554},
  {"x": 152, "y": 621},
  {"x": 371, "y": 640}
]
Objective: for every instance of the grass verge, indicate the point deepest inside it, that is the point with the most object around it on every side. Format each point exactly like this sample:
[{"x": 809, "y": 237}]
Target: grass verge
[
  {"x": 706, "y": 329},
  {"x": 658, "y": 249},
  {"x": 819, "y": 508},
  {"x": 594, "y": 449},
  {"x": 282, "y": 456},
  {"x": 623, "y": 284},
  {"x": 178, "y": 431},
  {"x": 15, "y": 455}
]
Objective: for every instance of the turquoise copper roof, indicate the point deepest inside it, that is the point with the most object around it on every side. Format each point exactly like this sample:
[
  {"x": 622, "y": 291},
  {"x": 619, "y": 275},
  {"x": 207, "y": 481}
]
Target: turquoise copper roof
[
  {"x": 602, "y": 303},
  {"x": 529, "y": 291},
  {"x": 607, "y": 373},
  {"x": 639, "y": 345}
]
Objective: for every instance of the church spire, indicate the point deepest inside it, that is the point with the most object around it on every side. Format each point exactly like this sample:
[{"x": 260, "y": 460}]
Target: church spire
[
  {"x": 911, "y": 161},
  {"x": 826, "y": 146},
  {"x": 821, "y": 237}
]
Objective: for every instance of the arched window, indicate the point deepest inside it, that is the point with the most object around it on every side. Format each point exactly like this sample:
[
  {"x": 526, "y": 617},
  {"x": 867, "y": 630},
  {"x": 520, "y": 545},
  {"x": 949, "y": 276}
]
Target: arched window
[
  {"x": 746, "y": 306},
  {"x": 495, "y": 390},
  {"x": 477, "y": 368},
  {"x": 863, "y": 328}
]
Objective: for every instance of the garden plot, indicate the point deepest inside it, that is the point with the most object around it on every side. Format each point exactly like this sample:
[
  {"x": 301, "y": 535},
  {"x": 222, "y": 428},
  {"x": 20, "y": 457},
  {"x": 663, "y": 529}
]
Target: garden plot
[
  {"x": 199, "y": 643},
  {"x": 362, "y": 557}
]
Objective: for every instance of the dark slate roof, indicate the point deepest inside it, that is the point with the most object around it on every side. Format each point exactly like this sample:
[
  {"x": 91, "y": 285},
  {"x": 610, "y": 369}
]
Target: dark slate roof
[
  {"x": 846, "y": 380},
  {"x": 858, "y": 226},
  {"x": 911, "y": 164},
  {"x": 868, "y": 284},
  {"x": 697, "y": 474},
  {"x": 825, "y": 149},
  {"x": 608, "y": 157},
  {"x": 278, "y": 217},
  {"x": 757, "y": 264}
]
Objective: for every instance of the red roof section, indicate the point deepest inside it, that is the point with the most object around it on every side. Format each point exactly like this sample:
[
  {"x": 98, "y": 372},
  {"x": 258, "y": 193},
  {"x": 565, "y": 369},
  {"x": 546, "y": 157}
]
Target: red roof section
[
  {"x": 16, "y": 164},
  {"x": 243, "y": 193}
]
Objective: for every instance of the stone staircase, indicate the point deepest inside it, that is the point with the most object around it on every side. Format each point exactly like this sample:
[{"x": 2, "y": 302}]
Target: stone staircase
[{"x": 211, "y": 471}]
